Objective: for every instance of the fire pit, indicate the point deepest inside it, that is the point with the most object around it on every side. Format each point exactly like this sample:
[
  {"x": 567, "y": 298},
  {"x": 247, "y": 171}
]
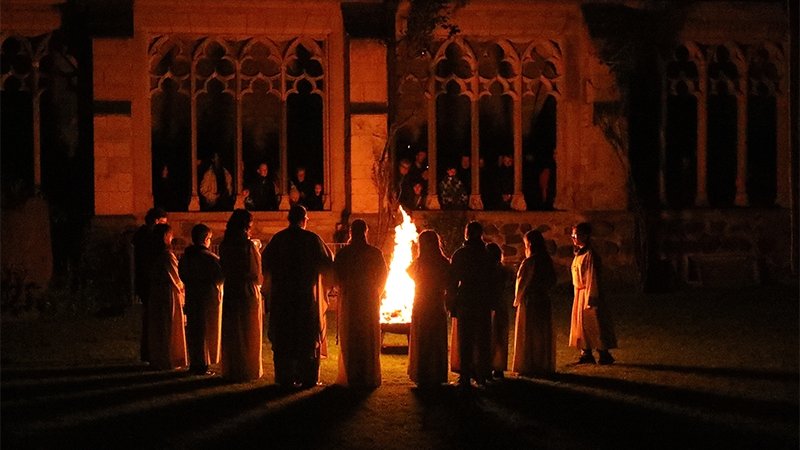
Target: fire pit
[{"x": 396, "y": 328}]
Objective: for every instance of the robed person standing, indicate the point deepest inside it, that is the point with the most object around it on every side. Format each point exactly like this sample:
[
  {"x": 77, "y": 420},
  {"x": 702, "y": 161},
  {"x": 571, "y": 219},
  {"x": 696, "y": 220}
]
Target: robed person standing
[
  {"x": 145, "y": 249},
  {"x": 591, "y": 326},
  {"x": 201, "y": 273},
  {"x": 472, "y": 270},
  {"x": 166, "y": 338},
  {"x": 242, "y": 307},
  {"x": 502, "y": 294},
  {"x": 427, "y": 348},
  {"x": 534, "y": 347},
  {"x": 293, "y": 261},
  {"x": 361, "y": 273}
]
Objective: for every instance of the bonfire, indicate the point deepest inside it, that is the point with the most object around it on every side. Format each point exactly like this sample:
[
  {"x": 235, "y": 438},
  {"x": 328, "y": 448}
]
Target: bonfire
[{"x": 398, "y": 297}]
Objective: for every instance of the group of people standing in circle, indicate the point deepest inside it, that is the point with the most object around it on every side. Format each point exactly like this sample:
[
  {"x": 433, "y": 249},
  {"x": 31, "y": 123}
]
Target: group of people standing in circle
[
  {"x": 206, "y": 309},
  {"x": 471, "y": 288}
]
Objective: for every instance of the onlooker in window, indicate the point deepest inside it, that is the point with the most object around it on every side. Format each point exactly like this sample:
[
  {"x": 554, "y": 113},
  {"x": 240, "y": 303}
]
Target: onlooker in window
[
  {"x": 413, "y": 199},
  {"x": 166, "y": 194},
  {"x": 262, "y": 192},
  {"x": 403, "y": 182},
  {"x": 145, "y": 249},
  {"x": 216, "y": 187},
  {"x": 294, "y": 196},
  {"x": 420, "y": 165},
  {"x": 451, "y": 190},
  {"x": 534, "y": 347},
  {"x": 591, "y": 326},
  {"x": 505, "y": 177},
  {"x": 464, "y": 173},
  {"x": 427, "y": 348},
  {"x": 316, "y": 201},
  {"x": 166, "y": 338},
  {"x": 201, "y": 273},
  {"x": 489, "y": 188},
  {"x": 242, "y": 307},
  {"x": 360, "y": 275},
  {"x": 302, "y": 184}
]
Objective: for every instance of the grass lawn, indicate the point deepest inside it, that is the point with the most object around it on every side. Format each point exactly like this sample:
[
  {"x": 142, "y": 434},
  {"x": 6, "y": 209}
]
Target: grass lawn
[{"x": 695, "y": 369}]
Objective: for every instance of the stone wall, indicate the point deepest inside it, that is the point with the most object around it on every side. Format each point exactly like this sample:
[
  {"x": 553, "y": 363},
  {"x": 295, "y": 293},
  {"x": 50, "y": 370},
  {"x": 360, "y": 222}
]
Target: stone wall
[{"x": 753, "y": 242}]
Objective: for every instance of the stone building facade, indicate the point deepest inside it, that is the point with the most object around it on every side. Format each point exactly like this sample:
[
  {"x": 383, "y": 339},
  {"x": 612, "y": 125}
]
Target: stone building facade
[{"x": 670, "y": 168}]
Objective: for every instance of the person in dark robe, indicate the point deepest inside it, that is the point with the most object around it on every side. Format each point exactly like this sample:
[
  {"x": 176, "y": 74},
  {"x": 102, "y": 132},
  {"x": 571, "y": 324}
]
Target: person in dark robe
[
  {"x": 361, "y": 272},
  {"x": 315, "y": 201},
  {"x": 427, "y": 348},
  {"x": 242, "y": 307},
  {"x": 472, "y": 280},
  {"x": 293, "y": 261},
  {"x": 165, "y": 334},
  {"x": 415, "y": 198},
  {"x": 464, "y": 173},
  {"x": 534, "y": 346},
  {"x": 502, "y": 294},
  {"x": 301, "y": 183},
  {"x": 145, "y": 251},
  {"x": 505, "y": 181},
  {"x": 262, "y": 191},
  {"x": 166, "y": 192},
  {"x": 201, "y": 273}
]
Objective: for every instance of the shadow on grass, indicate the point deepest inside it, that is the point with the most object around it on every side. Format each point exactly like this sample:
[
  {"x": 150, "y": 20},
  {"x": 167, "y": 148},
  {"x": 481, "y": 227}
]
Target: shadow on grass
[
  {"x": 771, "y": 409},
  {"x": 38, "y": 373},
  {"x": 165, "y": 409},
  {"x": 461, "y": 420},
  {"x": 607, "y": 416},
  {"x": 749, "y": 374}
]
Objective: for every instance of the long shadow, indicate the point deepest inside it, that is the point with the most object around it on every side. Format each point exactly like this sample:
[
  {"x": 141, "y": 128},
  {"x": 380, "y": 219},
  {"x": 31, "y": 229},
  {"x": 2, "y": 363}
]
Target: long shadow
[
  {"x": 29, "y": 373},
  {"x": 767, "y": 375},
  {"x": 64, "y": 403},
  {"x": 146, "y": 424},
  {"x": 311, "y": 421},
  {"x": 777, "y": 410},
  {"x": 460, "y": 419},
  {"x": 606, "y": 421},
  {"x": 20, "y": 389}
]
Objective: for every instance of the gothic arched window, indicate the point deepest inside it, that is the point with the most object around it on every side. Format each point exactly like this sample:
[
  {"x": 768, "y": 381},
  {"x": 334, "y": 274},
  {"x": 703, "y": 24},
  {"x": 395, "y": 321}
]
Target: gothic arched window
[{"x": 249, "y": 101}]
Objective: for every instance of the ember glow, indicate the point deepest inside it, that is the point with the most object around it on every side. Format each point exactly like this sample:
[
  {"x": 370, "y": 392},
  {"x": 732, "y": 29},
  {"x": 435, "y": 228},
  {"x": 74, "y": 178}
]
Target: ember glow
[{"x": 399, "y": 292}]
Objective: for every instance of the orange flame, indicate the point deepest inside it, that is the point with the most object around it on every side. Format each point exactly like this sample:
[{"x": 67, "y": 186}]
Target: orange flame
[{"x": 399, "y": 292}]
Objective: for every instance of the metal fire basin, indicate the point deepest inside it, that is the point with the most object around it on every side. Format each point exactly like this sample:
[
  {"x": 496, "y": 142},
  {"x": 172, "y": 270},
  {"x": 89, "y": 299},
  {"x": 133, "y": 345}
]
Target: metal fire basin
[{"x": 396, "y": 328}]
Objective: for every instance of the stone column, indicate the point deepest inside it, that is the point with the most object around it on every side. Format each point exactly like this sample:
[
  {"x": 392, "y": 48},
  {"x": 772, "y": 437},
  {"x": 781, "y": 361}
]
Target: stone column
[
  {"x": 284, "y": 178},
  {"x": 239, "y": 202},
  {"x": 475, "y": 155},
  {"x": 432, "y": 199},
  {"x": 783, "y": 152},
  {"x": 741, "y": 140},
  {"x": 194, "y": 203},
  {"x": 518, "y": 199}
]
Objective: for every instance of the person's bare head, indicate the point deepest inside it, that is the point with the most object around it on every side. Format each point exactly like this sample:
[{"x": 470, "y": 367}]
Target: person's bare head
[
  {"x": 420, "y": 157},
  {"x": 404, "y": 167},
  {"x": 298, "y": 216},
  {"x": 263, "y": 169}
]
